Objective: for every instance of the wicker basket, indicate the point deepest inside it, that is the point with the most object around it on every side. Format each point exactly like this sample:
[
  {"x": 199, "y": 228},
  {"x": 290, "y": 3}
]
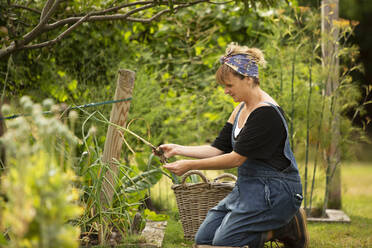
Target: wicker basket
[{"x": 195, "y": 199}]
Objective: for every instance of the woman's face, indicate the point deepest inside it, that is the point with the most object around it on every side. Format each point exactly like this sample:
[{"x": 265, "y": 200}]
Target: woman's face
[{"x": 238, "y": 88}]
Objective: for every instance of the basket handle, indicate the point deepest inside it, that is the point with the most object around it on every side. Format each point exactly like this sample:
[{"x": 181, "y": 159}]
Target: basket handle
[
  {"x": 225, "y": 175},
  {"x": 191, "y": 172}
]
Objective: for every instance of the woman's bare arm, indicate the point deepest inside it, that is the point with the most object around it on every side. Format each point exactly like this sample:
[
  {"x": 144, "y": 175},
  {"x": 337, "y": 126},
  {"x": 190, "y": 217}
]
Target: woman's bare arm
[
  {"x": 205, "y": 151},
  {"x": 224, "y": 161}
]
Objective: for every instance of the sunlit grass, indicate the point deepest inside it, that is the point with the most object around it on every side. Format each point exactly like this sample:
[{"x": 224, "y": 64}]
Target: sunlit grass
[{"x": 356, "y": 202}]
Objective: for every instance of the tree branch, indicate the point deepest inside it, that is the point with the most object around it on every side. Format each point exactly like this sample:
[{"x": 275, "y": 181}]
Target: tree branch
[
  {"x": 97, "y": 18},
  {"x": 59, "y": 37},
  {"x": 42, "y": 26},
  {"x": 149, "y": 19},
  {"x": 48, "y": 5},
  {"x": 39, "y": 27},
  {"x": 116, "y": 8},
  {"x": 221, "y": 3},
  {"x": 26, "y": 8},
  {"x": 27, "y": 38}
]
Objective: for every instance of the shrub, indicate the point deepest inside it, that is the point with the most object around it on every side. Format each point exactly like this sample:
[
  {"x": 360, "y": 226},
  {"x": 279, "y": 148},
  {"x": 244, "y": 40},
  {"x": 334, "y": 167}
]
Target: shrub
[{"x": 40, "y": 197}]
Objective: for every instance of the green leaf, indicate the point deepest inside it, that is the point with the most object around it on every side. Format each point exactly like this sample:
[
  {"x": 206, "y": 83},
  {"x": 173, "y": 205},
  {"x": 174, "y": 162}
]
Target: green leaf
[
  {"x": 3, "y": 241},
  {"x": 61, "y": 73},
  {"x": 142, "y": 165},
  {"x": 127, "y": 35},
  {"x": 221, "y": 41},
  {"x": 151, "y": 215},
  {"x": 198, "y": 50},
  {"x": 72, "y": 85}
]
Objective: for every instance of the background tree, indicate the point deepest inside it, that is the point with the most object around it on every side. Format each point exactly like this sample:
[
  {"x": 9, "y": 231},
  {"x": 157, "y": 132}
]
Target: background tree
[
  {"x": 359, "y": 12},
  {"x": 57, "y": 18}
]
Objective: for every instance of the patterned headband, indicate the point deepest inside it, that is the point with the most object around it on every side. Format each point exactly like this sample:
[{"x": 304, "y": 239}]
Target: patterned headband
[{"x": 242, "y": 64}]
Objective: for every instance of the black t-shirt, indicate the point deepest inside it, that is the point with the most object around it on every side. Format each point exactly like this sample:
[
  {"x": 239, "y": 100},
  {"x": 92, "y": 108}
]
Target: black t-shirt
[{"x": 262, "y": 137}]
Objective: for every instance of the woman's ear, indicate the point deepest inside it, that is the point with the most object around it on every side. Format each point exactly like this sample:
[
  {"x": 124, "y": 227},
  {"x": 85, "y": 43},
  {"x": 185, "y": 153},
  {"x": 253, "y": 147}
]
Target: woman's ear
[{"x": 248, "y": 80}]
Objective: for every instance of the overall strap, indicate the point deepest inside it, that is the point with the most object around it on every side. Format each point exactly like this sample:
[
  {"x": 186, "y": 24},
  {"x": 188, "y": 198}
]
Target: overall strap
[
  {"x": 236, "y": 122},
  {"x": 238, "y": 114},
  {"x": 287, "y": 148}
]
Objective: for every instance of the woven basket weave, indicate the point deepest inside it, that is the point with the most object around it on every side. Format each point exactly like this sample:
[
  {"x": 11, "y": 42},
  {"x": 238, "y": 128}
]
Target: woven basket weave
[{"x": 195, "y": 199}]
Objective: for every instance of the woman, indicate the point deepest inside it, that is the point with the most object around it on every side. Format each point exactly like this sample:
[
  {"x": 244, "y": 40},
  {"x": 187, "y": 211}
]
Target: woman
[{"x": 265, "y": 203}]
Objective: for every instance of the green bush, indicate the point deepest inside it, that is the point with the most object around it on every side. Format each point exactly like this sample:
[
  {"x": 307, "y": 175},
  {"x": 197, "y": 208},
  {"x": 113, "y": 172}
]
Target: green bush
[{"x": 38, "y": 186}]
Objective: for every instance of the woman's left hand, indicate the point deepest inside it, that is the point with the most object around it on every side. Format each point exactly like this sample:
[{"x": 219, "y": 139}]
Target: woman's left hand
[{"x": 179, "y": 167}]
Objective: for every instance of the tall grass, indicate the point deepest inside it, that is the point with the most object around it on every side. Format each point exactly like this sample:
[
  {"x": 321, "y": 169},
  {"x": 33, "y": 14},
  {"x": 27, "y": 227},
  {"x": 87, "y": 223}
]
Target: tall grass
[{"x": 130, "y": 183}]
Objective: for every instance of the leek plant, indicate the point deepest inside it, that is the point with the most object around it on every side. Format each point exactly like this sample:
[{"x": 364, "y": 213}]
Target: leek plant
[{"x": 130, "y": 185}]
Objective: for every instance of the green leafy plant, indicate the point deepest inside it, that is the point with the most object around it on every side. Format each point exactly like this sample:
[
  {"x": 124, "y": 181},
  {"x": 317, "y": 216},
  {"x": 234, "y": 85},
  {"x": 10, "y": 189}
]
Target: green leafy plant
[
  {"x": 130, "y": 185},
  {"x": 39, "y": 188}
]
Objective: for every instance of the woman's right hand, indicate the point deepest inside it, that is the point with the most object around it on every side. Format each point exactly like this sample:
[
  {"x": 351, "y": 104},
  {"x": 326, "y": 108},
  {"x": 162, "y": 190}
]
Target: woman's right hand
[{"x": 170, "y": 150}]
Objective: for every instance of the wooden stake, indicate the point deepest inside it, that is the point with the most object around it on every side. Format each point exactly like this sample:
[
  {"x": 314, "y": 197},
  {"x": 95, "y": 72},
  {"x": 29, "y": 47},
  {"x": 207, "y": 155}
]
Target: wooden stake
[{"x": 114, "y": 142}]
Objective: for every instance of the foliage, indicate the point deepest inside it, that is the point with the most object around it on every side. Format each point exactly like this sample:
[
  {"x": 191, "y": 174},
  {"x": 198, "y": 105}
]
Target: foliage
[
  {"x": 175, "y": 98},
  {"x": 40, "y": 196},
  {"x": 151, "y": 215},
  {"x": 131, "y": 184},
  {"x": 22, "y": 30}
]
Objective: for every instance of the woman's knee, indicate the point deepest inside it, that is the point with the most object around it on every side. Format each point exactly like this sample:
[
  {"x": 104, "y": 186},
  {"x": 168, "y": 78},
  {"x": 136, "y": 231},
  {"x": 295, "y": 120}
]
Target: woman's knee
[
  {"x": 202, "y": 237},
  {"x": 207, "y": 229},
  {"x": 221, "y": 239},
  {"x": 253, "y": 240}
]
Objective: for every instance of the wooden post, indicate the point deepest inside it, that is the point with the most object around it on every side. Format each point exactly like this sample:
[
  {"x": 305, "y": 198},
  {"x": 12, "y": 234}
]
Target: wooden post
[
  {"x": 330, "y": 35},
  {"x": 113, "y": 143}
]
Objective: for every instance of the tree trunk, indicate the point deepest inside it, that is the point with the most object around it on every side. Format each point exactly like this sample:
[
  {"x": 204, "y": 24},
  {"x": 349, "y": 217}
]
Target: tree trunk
[{"x": 330, "y": 34}]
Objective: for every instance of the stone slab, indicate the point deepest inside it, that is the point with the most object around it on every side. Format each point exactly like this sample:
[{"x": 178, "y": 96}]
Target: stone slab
[
  {"x": 333, "y": 216},
  {"x": 154, "y": 233}
]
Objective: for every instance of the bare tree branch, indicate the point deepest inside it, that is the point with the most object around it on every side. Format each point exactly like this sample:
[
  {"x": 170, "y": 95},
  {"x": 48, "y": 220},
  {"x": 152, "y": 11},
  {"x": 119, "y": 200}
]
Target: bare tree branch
[
  {"x": 26, "y": 8},
  {"x": 36, "y": 11},
  {"x": 27, "y": 38},
  {"x": 116, "y": 8},
  {"x": 38, "y": 29},
  {"x": 59, "y": 37},
  {"x": 221, "y": 3},
  {"x": 48, "y": 5},
  {"x": 51, "y": 6},
  {"x": 162, "y": 12},
  {"x": 160, "y": 2},
  {"x": 97, "y": 17}
]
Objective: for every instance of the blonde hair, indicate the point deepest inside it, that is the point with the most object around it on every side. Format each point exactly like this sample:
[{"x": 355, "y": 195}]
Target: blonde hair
[
  {"x": 255, "y": 53},
  {"x": 224, "y": 71}
]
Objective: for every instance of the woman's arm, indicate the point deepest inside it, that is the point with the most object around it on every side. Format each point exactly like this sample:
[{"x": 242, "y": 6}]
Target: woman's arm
[
  {"x": 224, "y": 161},
  {"x": 205, "y": 151}
]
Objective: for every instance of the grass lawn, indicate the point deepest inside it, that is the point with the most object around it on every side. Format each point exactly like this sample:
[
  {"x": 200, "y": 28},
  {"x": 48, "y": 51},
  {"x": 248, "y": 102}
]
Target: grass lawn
[{"x": 357, "y": 203}]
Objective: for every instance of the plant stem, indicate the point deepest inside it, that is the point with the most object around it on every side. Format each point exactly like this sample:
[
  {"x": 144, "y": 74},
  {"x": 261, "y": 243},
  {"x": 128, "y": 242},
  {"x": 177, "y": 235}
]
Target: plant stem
[
  {"x": 292, "y": 99},
  {"x": 6, "y": 80},
  {"x": 174, "y": 177},
  {"x": 307, "y": 133},
  {"x": 317, "y": 149}
]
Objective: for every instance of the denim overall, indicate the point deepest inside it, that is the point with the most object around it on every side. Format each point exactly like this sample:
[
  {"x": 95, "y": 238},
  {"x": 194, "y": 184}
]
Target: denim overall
[{"x": 263, "y": 199}]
